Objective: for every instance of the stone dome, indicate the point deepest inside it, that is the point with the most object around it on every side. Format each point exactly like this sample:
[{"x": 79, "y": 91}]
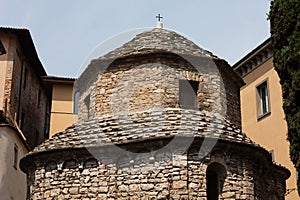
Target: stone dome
[
  {"x": 159, "y": 118},
  {"x": 159, "y": 40}
]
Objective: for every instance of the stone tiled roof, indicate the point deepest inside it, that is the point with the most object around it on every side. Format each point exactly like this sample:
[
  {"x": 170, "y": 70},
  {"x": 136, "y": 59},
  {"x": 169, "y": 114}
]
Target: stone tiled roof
[
  {"x": 153, "y": 41},
  {"x": 117, "y": 130},
  {"x": 106, "y": 130},
  {"x": 159, "y": 39}
]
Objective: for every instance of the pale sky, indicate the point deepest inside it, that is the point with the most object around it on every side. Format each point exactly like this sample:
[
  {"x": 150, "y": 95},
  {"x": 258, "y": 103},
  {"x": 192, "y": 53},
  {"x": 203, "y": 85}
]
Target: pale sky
[{"x": 66, "y": 31}]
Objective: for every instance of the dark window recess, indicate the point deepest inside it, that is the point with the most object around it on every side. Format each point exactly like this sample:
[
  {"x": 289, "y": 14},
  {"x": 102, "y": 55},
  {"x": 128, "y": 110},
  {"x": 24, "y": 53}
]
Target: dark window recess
[
  {"x": 212, "y": 185},
  {"x": 16, "y": 152},
  {"x": 188, "y": 93},
  {"x": 215, "y": 177},
  {"x": 70, "y": 164},
  {"x": 47, "y": 121},
  {"x": 51, "y": 165},
  {"x": 90, "y": 163}
]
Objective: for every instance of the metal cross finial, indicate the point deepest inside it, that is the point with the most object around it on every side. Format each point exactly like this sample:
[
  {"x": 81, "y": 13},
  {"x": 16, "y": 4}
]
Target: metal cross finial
[{"x": 159, "y": 17}]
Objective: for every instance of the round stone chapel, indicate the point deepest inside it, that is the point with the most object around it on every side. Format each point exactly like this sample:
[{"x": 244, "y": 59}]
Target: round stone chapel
[{"x": 158, "y": 118}]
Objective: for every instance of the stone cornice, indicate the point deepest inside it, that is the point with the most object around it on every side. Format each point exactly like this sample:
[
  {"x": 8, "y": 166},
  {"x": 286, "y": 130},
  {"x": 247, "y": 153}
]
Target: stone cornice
[{"x": 254, "y": 59}]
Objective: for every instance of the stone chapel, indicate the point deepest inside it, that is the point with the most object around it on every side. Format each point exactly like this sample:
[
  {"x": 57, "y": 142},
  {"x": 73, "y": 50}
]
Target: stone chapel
[{"x": 158, "y": 118}]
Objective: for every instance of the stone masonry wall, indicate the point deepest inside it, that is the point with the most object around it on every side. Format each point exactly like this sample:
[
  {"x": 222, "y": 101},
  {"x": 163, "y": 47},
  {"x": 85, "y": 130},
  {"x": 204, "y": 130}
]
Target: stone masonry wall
[
  {"x": 77, "y": 175},
  {"x": 143, "y": 83}
]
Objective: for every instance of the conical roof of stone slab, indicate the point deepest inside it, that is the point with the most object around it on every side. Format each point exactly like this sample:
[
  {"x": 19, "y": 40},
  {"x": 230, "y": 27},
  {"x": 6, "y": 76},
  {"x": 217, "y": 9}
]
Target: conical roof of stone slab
[
  {"x": 92, "y": 133},
  {"x": 152, "y": 41},
  {"x": 88, "y": 135},
  {"x": 109, "y": 130},
  {"x": 159, "y": 39}
]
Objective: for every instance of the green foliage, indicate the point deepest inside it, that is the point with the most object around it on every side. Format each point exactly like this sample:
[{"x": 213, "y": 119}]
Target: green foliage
[{"x": 285, "y": 32}]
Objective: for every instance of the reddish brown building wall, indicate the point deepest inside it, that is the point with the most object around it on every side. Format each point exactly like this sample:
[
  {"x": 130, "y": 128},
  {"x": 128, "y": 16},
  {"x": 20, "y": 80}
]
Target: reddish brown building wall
[{"x": 24, "y": 98}]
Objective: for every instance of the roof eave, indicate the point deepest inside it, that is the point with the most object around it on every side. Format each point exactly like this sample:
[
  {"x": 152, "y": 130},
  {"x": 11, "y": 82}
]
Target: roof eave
[
  {"x": 252, "y": 53},
  {"x": 28, "y": 48}
]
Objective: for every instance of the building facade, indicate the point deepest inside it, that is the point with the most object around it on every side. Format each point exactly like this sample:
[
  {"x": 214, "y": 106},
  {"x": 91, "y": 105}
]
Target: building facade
[
  {"x": 23, "y": 97},
  {"x": 263, "y": 118},
  {"x": 158, "y": 118},
  {"x": 63, "y": 112},
  {"x": 24, "y": 104},
  {"x": 12, "y": 148}
]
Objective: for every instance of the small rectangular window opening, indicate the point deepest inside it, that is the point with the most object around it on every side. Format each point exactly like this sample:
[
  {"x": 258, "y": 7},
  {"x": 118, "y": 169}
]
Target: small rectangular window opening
[
  {"x": 47, "y": 120},
  {"x": 188, "y": 93}
]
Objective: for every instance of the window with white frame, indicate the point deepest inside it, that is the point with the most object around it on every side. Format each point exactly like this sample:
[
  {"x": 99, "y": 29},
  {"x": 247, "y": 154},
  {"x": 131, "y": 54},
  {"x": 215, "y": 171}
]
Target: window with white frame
[{"x": 263, "y": 105}]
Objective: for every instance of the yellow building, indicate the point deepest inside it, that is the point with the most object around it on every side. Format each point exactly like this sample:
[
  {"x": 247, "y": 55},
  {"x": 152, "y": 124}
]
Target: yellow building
[
  {"x": 263, "y": 118},
  {"x": 62, "y": 107}
]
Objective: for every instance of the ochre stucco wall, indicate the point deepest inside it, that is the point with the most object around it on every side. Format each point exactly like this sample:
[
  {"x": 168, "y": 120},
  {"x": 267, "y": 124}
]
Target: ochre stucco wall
[
  {"x": 271, "y": 130},
  {"x": 62, "y": 108}
]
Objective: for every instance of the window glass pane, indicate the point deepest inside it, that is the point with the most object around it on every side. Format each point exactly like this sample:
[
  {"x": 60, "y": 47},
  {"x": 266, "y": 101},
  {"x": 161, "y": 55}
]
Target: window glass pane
[{"x": 263, "y": 99}]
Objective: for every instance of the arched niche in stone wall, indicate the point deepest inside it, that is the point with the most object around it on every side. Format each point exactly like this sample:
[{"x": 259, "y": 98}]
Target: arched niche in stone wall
[
  {"x": 163, "y": 155},
  {"x": 217, "y": 155},
  {"x": 50, "y": 165},
  {"x": 215, "y": 177},
  {"x": 70, "y": 164},
  {"x": 123, "y": 161},
  {"x": 90, "y": 163}
]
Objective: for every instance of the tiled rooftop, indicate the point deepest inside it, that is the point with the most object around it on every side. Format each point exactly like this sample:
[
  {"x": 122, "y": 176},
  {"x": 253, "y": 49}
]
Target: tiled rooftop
[
  {"x": 109, "y": 130},
  {"x": 159, "y": 39}
]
